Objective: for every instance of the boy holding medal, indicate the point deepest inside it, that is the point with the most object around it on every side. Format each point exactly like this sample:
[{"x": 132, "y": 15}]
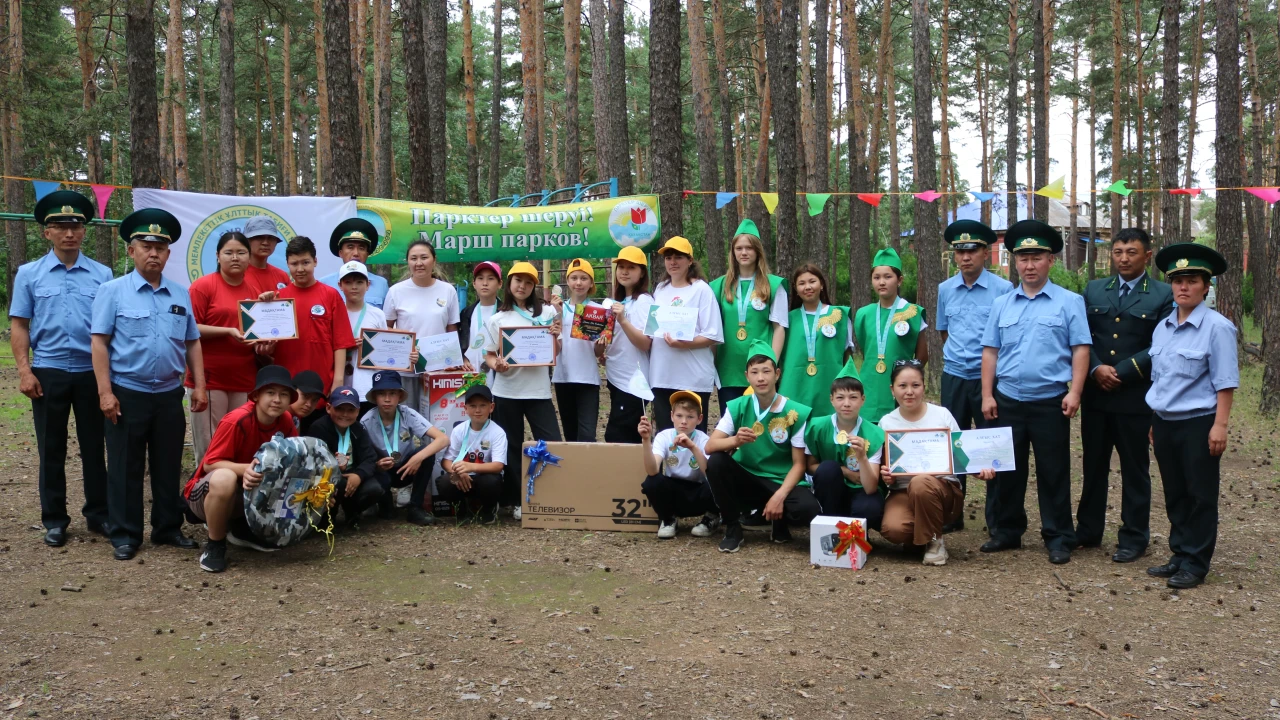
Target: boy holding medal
[
  {"x": 844, "y": 453},
  {"x": 475, "y": 459},
  {"x": 675, "y": 462},
  {"x": 357, "y": 489},
  {"x": 750, "y": 467},
  {"x": 395, "y": 430}
]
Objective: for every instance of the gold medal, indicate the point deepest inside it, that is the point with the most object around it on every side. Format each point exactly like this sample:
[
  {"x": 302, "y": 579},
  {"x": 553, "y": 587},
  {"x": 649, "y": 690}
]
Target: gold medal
[
  {"x": 842, "y": 437},
  {"x": 880, "y": 367},
  {"x": 758, "y": 428},
  {"x": 672, "y": 458},
  {"x": 395, "y": 457},
  {"x": 742, "y": 332},
  {"x": 812, "y": 369}
]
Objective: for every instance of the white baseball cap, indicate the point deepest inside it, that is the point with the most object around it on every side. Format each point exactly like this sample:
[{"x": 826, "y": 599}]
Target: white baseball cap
[{"x": 353, "y": 266}]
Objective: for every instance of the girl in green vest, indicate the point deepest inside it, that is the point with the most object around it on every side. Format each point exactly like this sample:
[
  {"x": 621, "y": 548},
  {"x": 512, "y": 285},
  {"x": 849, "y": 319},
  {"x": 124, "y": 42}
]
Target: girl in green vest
[
  {"x": 886, "y": 331},
  {"x": 753, "y": 306},
  {"x": 818, "y": 343}
]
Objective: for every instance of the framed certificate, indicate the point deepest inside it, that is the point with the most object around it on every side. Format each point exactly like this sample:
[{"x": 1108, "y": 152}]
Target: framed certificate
[
  {"x": 528, "y": 346},
  {"x": 385, "y": 349},
  {"x": 926, "y": 451},
  {"x": 268, "y": 320}
]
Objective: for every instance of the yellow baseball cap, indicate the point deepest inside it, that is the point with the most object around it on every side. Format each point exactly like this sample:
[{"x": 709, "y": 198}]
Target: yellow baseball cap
[
  {"x": 678, "y": 244},
  {"x": 687, "y": 395},
  {"x": 580, "y": 265},
  {"x": 633, "y": 255},
  {"x": 524, "y": 268}
]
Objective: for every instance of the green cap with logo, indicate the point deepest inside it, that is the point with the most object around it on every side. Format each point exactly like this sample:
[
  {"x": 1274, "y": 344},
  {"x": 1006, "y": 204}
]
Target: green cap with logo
[
  {"x": 1032, "y": 236},
  {"x": 357, "y": 229},
  {"x": 151, "y": 225},
  {"x": 63, "y": 206},
  {"x": 969, "y": 235},
  {"x": 1190, "y": 258}
]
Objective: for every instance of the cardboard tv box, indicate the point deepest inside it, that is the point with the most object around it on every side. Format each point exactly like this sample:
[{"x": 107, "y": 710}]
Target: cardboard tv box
[
  {"x": 596, "y": 487},
  {"x": 824, "y": 536}
]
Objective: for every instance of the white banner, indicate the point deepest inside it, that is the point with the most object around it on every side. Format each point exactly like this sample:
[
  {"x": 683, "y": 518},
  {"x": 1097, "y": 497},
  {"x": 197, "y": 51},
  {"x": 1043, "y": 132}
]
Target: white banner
[{"x": 205, "y": 218}]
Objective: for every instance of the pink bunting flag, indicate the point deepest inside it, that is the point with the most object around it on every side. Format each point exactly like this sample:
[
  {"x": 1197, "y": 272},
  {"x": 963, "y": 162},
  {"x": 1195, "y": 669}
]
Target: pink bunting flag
[
  {"x": 103, "y": 195},
  {"x": 1271, "y": 195},
  {"x": 872, "y": 199},
  {"x": 928, "y": 195},
  {"x": 1185, "y": 191}
]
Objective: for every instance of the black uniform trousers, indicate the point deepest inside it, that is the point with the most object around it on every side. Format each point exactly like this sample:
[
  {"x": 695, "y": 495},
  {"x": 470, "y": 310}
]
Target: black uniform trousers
[
  {"x": 837, "y": 498},
  {"x": 365, "y": 496},
  {"x": 662, "y": 409},
  {"x": 625, "y": 411},
  {"x": 421, "y": 482},
  {"x": 148, "y": 435},
  {"x": 963, "y": 399},
  {"x": 510, "y": 415},
  {"x": 1037, "y": 424},
  {"x": 579, "y": 410},
  {"x": 1127, "y": 433},
  {"x": 673, "y": 498},
  {"x": 1190, "y": 476},
  {"x": 64, "y": 392},
  {"x": 485, "y": 490},
  {"x": 737, "y": 491}
]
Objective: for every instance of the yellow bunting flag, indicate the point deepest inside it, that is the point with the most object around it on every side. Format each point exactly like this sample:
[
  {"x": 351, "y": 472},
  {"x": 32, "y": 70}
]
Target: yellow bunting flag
[
  {"x": 770, "y": 201},
  {"x": 1055, "y": 189}
]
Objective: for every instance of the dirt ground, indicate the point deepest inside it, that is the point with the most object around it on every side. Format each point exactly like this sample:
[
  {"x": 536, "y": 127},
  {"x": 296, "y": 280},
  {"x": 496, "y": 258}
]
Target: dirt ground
[{"x": 494, "y": 622}]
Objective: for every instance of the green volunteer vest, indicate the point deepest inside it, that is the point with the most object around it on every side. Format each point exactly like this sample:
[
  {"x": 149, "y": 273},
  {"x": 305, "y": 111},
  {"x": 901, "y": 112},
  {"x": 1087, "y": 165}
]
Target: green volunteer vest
[
  {"x": 814, "y": 390},
  {"x": 770, "y": 455},
  {"x": 897, "y": 347},
  {"x": 820, "y": 438},
  {"x": 731, "y": 357}
]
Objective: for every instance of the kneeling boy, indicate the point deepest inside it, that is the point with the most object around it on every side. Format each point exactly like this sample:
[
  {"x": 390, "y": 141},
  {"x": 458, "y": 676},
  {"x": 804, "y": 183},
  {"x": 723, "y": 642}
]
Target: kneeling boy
[
  {"x": 476, "y": 457},
  {"x": 406, "y": 443},
  {"x": 675, "y": 462},
  {"x": 844, "y": 454},
  {"x": 214, "y": 494},
  {"x": 756, "y": 455},
  {"x": 357, "y": 490}
]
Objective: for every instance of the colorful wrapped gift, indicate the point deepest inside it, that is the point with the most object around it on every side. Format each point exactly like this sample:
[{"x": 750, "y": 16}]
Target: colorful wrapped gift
[{"x": 838, "y": 542}]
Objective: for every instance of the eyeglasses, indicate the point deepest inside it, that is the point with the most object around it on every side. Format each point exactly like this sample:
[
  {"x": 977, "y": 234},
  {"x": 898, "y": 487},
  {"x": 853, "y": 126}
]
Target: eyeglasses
[{"x": 911, "y": 362}]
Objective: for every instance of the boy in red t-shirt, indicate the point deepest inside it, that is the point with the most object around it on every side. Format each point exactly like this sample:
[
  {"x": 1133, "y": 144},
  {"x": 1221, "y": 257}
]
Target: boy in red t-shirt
[
  {"x": 213, "y": 494},
  {"x": 324, "y": 330}
]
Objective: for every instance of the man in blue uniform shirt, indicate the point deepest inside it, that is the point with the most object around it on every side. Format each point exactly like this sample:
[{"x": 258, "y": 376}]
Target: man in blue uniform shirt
[
  {"x": 1034, "y": 359},
  {"x": 964, "y": 303},
  {"x": 355, "y": 239},
  {"x": 144, "y": 336},
  {"x": 49, "y": 314}
]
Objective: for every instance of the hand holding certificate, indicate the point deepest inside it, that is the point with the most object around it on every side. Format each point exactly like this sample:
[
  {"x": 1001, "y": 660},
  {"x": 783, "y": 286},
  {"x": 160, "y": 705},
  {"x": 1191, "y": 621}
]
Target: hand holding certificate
[
  {"x": 528, "y": 346},
  {"x": 269, "y": 320},
  {"x": 439, "y": 352},
  {"x": 681, "y": 323},
  {"x": 385, "y": 350}
]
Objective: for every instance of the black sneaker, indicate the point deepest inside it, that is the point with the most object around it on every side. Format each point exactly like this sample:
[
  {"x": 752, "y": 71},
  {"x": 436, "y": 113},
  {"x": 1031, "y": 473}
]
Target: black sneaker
[
  {"x": 214, "y": 557},
  {"x": 418, "y": 516},
  {"x": 754, "y": 519},
  {"x": 732, "y": 538},
  {"x": 781, "y": 532}
]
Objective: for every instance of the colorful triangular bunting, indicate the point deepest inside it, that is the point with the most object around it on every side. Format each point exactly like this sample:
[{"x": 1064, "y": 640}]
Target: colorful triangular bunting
[
  {"x": 1119, "y": 187},
  {"x": 872, "y": 199},
  {"x": 1185, "y": 191},
  {"x": 1271, "y": 195},
  {"x": 982, "y": 196},
  {"x": 817, "y": 201},
  {"x": 44, "y": 187},
  {"x": 770, "y": 201},
  {"x": 1055, "y": 190},
  {"x": 102, "y": 193},
  {"x": 724, "y": 198},
  {"x": 928, "y": 195}
]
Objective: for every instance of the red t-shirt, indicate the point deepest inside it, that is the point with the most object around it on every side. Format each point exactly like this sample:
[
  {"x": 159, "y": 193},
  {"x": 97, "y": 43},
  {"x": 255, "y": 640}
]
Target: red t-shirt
[
  {"x": 238, "y": 438},
  {"x": 228, "y": 365},
  {"x": 270, "y": 278},
  {"x": 323, "y": 327}
]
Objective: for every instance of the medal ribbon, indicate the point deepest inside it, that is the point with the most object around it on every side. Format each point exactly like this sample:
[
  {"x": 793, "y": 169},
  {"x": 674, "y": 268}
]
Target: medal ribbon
[
  {"x": 466, "y": 438},
  {"x": 745, "y": 289},
  {"x": 344, "y": 442},
  {"x": 355, "y": 329},
  {"x": 755, "y": 407},
  {"x": 882, "y": 338},
  {"x": 395, "y": 433},
  {"x": 527, "y": 316},
  {"x": 811, "y": 331},
  {"x": 482, "y": 331}
]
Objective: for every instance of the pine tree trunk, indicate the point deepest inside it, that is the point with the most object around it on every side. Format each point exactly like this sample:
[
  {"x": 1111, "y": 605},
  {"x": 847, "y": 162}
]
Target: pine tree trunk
[
  {"x": 705, "y": 134},
  {"x": 495, "y": 110},
  {"x": 572, "y": 59},
  {"x": 1073, "y": 239},
  {"x": 780, "y": 53},
  {"x": 1270, "y": 403},
  {"x": 324, "y": 142},
  {"x": 928, "y": 237},
  {"x": 1011, "y": 138},
  {"x": 760, "y": 178},
  {"x": 540, "y": 87},
  {"x": 529, "y": 53},
  {"x": 891, "y": 137},
  {"x": 728, "y": 152},
  {"x": 1169, "y": 105},
  {"x": 1040, "y": 111},
  {"x": 227, "y": 97},
  {"x": 415, "y": 84},
  {"x": 860, "y": 291},
  {"x": 288, "y": 172},
  {"x": 382, "y": 70},
  {"x": 257, "y": 128},
  {"x": 206, "y": 157},
  {"x": 945, "y": 163},
  {"x": 1255, "y": 208},
  {"x": 240, "y": 163},
  {"x": 665, "y": 127},
  {"x": 1229, "y": 170},
  {"x": 983, "y": 79},
  {"x": 344, "y": 121},
  {"x": 1117, "y": 120},
  {"x": 819, "y": 169},
  {"x": 600, "y": 121},
  {"x": 619, "y": 134},
  {"x": 182, "y": 176},
  {"x": 302, "y": 123},
  {"x": 1090, "y": 250},
  {"x": 275, "y": 133},
  {"x": 359, "y": 63},
  {"x": 144, "y": 130},
  {"x": 14, "y": 164},
  {"x": 104, "y": 245},
  {"x": 165, "y": 109},
  {"x": 1197, "y": 58}
]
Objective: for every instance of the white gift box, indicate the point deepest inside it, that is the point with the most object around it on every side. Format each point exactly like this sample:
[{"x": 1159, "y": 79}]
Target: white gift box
[{"x": 824, "y": 536}]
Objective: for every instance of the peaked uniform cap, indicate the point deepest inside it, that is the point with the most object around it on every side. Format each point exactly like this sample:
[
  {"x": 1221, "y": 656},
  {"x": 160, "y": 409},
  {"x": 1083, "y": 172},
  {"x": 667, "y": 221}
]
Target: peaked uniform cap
[
  {"x": 353, "y": 229},
  {"x": 63, "y": 206},
  {"x": 152, "y": 225},
  {"x": 969, "y": 235},
  {"x": 887, "y": 257},
  {"x": 1032, "y": 236},
  {"x": 747, "y": 227},
  {"x": 1190, "y": 258}
]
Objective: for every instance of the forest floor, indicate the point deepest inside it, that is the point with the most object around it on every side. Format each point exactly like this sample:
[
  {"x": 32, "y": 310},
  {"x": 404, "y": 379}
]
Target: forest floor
[{"x": 492, "y": 622}]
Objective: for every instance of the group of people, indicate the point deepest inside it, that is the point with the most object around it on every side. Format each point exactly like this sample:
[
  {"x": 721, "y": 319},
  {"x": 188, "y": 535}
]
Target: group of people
[{"x": 802, "y": 422}]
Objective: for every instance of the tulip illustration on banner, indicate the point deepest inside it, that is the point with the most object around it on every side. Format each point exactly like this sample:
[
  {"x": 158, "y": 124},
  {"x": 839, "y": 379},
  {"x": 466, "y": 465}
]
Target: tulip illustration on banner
[
  {"x": 1055, "y": 190},
  {"x": 928, "y": 195},
  {"x": 639, "y": 215},
  {"x": 724, "y": 198},
  {"x": 1271, "y": 195},
  {"x": 872, "y": 199},
  {"x": 817, "y": 201},
  {"x": 770, "y": 201},
  {"x": 1119, "y": 187}
]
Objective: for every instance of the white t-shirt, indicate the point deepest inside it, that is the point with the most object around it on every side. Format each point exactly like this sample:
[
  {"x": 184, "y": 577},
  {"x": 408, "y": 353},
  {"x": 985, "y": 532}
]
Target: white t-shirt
[
  {"x": 686, "y": 465},
  {"x": 487, "y": 445},
  {"x": 577, "y": 360},
  {"x": 729, "y": 427},
  {"x": 359, "y": 379},
  {"x": 687, "y": 369},
  {"x": 623, "y": 359},
  {"x": 935, "y": 416},
  {"x": 519, "y": 383},
  {"x": 424, "y": 310},
  {"x": 479, "y": 333}
]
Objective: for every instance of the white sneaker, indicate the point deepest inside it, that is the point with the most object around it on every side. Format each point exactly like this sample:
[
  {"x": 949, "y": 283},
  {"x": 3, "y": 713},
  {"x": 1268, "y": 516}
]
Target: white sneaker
[
  {"x": 666, "y": 531},
  {"x": 249, "y": 543},
  {"x": 936, "y": 552},
  {"x": 515, "y": 512},
  {"x": 707, "y": 526}
]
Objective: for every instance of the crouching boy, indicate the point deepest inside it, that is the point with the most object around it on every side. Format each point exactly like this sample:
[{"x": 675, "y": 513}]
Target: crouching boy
[
  {"x": 844, "y": 454},
  {"x": 357, "y": 489},
  {"x": 406, "y": 443},
  {"x": 474, "y": 462},
  {"x": 675, "y": 462},
  {"x": 756, "y": 456},
  {"x": 213, "y": 495}
]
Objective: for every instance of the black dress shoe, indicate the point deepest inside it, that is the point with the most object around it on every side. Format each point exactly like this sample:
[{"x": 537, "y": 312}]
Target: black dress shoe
[
  {"x": 125, "y": 552},
  {"x": 99, "y": 528},
  {"x": 177, "y": 540},
  {"x": 1127, "y": 555},
  {"x": 1059, "y": 557},
  {"x": 1167, "y": 570},
  {"x": 55, "y": 537},
  {"x": 1184, "y": 579},
  {"x": 994, "y": 545}
]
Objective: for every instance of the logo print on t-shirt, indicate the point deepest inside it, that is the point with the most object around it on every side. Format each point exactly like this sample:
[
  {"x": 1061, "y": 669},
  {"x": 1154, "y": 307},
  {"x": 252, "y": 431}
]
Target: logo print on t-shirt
[
  {"x": 279, "y": 286},
  {"x": 440, "y": 302},
  {"x": 317, "y": 309}
]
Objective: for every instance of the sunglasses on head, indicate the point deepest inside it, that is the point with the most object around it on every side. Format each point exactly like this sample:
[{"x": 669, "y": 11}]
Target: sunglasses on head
[{"x": 912, "y": 362}]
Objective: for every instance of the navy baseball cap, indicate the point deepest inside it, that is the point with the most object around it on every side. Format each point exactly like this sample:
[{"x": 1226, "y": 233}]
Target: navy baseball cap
[
  {"x": 344, "y": 395},
  {"x": 478, "y": 391}
]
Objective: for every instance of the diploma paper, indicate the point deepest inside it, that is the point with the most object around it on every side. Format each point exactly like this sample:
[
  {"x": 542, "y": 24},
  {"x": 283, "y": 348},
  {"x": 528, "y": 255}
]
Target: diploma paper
[
  {"x": 920, "y": 452},
  {"x": 528, "y": 345},
  {"x": 272, "y": 320},
  {"x": 385, "y": 350},
  {"x": 681, "y": 323},
  {"x": 977, "y": 450},
  {"x": 439, "y": 352}
]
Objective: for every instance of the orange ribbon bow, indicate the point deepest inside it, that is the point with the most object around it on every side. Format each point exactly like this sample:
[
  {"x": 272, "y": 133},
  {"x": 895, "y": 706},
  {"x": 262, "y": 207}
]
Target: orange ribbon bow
[{"x": 851, "y": 534}]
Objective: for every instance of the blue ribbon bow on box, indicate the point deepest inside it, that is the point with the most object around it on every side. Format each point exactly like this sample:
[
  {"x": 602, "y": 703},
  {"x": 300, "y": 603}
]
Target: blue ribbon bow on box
[{"x": 539, "y": 457}]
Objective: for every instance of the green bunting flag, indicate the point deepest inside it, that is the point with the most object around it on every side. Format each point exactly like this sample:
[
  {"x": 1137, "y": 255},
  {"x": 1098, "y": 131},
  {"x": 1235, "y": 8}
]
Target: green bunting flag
[{"x": 817, "y": 201}]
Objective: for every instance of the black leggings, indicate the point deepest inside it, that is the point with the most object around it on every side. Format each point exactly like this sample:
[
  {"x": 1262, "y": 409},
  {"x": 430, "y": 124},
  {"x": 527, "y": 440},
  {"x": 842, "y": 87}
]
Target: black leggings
[
  {"x": 510, "y": 414},
  {"x": 579, "y": 410},
  {"x": 421, "y": 481},
  {"x": 483, "y": 495},
  {"x": 625, "y": 411}
]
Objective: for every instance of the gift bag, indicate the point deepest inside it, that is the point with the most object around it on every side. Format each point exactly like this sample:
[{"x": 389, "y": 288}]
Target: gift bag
[{"x": 293, "y": 496}]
